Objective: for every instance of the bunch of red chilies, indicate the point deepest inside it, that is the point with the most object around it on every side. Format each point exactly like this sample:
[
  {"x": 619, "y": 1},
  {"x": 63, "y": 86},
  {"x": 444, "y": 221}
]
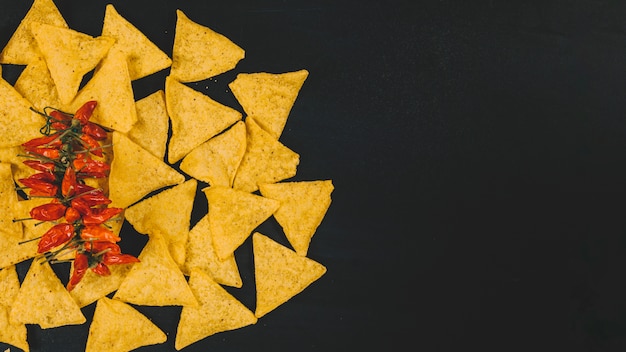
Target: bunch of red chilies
[{"x": 63, "y": 159}]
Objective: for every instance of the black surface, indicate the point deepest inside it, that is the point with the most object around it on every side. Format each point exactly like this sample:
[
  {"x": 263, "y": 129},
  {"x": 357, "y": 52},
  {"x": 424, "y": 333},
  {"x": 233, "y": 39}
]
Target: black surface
[{"x": 478, "y": 153}]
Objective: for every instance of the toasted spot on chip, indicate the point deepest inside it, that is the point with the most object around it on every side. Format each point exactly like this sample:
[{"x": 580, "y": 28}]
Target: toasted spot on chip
[
  {"x": 117, "y": 326},
  {"x": 195, "y": 118},
  {"x": 303, "y": 206},
  {"x": 266, "y": 160},
  {"x": 11, "y": 332},
  {"x": 92, "y": 286},
  {"x": 280, "y": 273},
  {"x": 269, "y": 97},
  {"x": 18, "y": 123},
  {"x": 217, "y": 312},
  {"x": 200, "y": 53},
  {"x": 150, "y": 130},
  {"x": 233, "y": 215},
  {"x": 36, "y": 85},
  {"x": 216, "y": 160}
]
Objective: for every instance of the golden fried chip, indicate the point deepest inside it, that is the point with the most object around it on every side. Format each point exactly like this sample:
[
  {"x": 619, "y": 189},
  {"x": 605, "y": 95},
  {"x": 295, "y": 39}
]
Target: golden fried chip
[
  {"x": 43, "y": 300},
  {"x": 233, "y": 215},
  {"x": 266, "y": 160},
  {"x": 22, "y": 48},
  {"x": 117, "y": 326},
  {"x": 156, "y": 280},
  {"x": 69, "y": 55},
  {"x": 168, "y": 213},
  {"x": 150, "y": 130},
  {"x": 218, "y": 311},
  {"x": 92, "y": 286},
  {"x": 36, "y": 85},
  {"x": 18, "y": 123},
  {"x": 135, "y": 172},
  {"x": 10, "y": 332},
  {"x": 11, "y": 155},
  {"x": 268, "y": 97},
  {"x": 216, "y": 160},
  {"x": 8, "y": 202},
  {"x": 195, "y": 118},
  {"x": 280, "y": 273},
  {"x": 303, "y": 206},
  {"x": 200, "y": 255},
  {"x": 200, "y": 53}
]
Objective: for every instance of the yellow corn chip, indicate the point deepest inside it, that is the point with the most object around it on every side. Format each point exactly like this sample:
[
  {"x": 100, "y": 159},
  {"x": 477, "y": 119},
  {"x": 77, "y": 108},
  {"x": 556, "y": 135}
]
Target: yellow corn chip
[
  {"x": 266, "y": 160},
  {"x": 117, "y": 326},
  {"x": 150, "y": 130},
  {"x": 8, "y": 202},
  {"x": 43, "y": 300},
  {"x": 233, "y": 215},
  {"x": 92, "y": 286},
  {"x": 22, "y": 47},
  {"x": 36, "y": 85},
  {"x": 216, "y": 160},
  {"x": 280, "y": 273},
  {"x": 200, "y": 53},
  {"x": 195, "y": 118},
  {"x": 303, "y": 205},
  {"x": 200, "y": 255},
  {"x": 18, "y": 124},
  {"x": 268, "y": 97},
  {"x": 10, "y": 332},
  {"x": 135, "y": 172},
  {"x": 11, "y": 155},
  {"x": 156, "y": 280},
  {"x": 218, "y": 311}
]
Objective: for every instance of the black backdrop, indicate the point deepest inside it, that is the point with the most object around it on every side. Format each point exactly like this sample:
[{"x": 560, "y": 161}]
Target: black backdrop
[{"x": 477, "y": 150}]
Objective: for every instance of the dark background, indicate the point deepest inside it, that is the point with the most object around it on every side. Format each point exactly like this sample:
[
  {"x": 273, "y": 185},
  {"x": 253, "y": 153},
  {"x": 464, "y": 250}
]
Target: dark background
[{"x": 478, "y": 153}]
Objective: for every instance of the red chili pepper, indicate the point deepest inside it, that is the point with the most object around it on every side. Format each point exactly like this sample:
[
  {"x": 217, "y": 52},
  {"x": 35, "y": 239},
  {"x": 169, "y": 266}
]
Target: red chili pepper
[
  {"x": 40, "y": 185},
  {"x": 50, "y": 153},
  {"x": 83, "y": 114},
  {"x": 95, "y": 131},
  {"x": 81, "y": 264},
  {"x": 39, "y": 165},
  {"x": 118, "y": 258},
  {"x": 80, "y": 206},
  {"x": 101, "y": 269},
  {"x": 100, "y": 215},
  {"x": 71, "y": 215},
  {"x": 92, "y": 145},
  {"x": 99, "y": 246},
  {"x": 52, "y": 140},
  {"x": 68, "y": 185},
  {"x": 98, "y": 233},
  {"x": 48, "y": 212},
  {"x": 93, "y": 198},
  {"x": 55, "y": 236},
  {"x": 91, "y": 168}
]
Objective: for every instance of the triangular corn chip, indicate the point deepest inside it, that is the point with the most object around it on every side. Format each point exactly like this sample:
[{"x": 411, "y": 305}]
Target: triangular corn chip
[
  {"x": 216, "y": 160},
  {"x": 156, "y": 280},
  {"x": 268, "y": 97},
  {"x": 22, "y": 48},
  {"x": 200, "y": 255},
  {"x": 303, "y": 205},
  {"x": 195, "y": 118},
  {"x": 11, "y": 155},
  {"x": 200, "y": 53},
  {"x": 150, "y": 130},
  {"x": 92, "y": 286},
  {"x": 18, "y": 123},
  {"x": 69, "y": 55},
  {"x": 43, "y": 300},
  {"x": 36, "y": 85},
  {"x": 233, "y": 215},
  {"x": 266, "y": 160},
  {"x": 135, "y": 172},
  {"x": 169, "y": 213},
  {"x": 117, "y": 326},
  {"x": 218, "y": 311},
  {"x": 10, "y": 332},
  {"x": 144, "y": 57},
  {"x": 279, "y": 273},
  {"x": 8, "y": 202}
]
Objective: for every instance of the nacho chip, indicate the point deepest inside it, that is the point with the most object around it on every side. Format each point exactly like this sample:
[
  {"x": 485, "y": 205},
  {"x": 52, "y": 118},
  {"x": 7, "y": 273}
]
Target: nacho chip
[
  {"x": 195, "y": 118},
  {"x": 216, "y": 160},
  {"x": 218, "y": 311},
  {"x": 280, "y": 273},
  {"x": 233, "y": 215},
  {"x": 303, "y": 205},
  {"x": 200, "y": 53},
  {"x": 135, "y": 173},
  {"x": 266, "y": 160},
  {"x": 10, "y": 332},
  {"x": 36, "y": 85},
  {"x": 18, "y": 123},
  {"x": 92, "y": 286},
  {"x": 117, "y": 326},
  {"x": 22, "y": 48},
  {"x": 43, "y": 300},
  {"x": 150, "y": 130},
  {"x": 8, "y": 202},
  {"x": 268, "y": 97},
  {"x": 144, "y": 57}
]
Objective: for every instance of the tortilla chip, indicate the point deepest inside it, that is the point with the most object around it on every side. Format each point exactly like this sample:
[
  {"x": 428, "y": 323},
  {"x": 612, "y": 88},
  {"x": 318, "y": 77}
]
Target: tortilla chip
[
  {"x": 233, "y": 215},
  {"x": 200, "y": 255},
  {"x": 168, "y": 213},
  {"x": 36, "y": 85},
  {"x": 22, "y": 48},
  {"x": 117, "y": 326},
  {"x": 156, "y": 280},
  {"x": 218, "y": 311},
  {"x": 8, "y": 202},
  {"x": 200, "y": 53},
  {"x": 268, "y": 97},
  {"x": 216, "y": 160},
  {"x": 144, "y": 57},
  {"x": 92, "y": 286},
  {"x": 303, "y": 206},
  {"x": 10, "y": 332},
  {"x": 280, "y": 273},
  {"x": 135, "y": 173},
  {"x": 150, "y": 130},
  {"x": 266, "y": 160},
  {"x": 43, "y": 300},
  {"x": 69, "y": 55},
  {"x": 18, "y": 123},
  {"x": 195, "y": 118}
]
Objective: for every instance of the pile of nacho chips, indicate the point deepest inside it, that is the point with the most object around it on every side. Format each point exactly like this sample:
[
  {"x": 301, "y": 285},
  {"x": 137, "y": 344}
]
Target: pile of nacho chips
[{"x": 235, "y": 158}]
